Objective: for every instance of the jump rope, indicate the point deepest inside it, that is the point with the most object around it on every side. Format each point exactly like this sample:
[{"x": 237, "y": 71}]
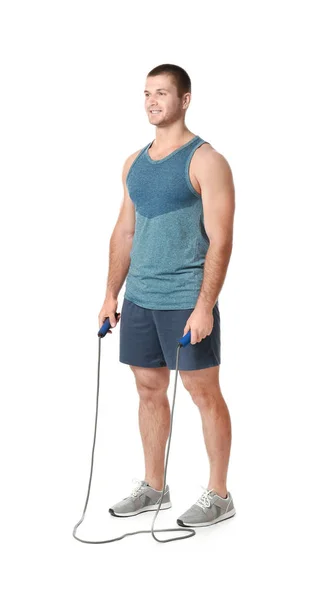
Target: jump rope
[{"x": 182, "y": 342}]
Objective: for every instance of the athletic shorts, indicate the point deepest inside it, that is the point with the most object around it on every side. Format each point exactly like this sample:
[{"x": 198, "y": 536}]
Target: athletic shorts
[{"x": 149, "y": 338}]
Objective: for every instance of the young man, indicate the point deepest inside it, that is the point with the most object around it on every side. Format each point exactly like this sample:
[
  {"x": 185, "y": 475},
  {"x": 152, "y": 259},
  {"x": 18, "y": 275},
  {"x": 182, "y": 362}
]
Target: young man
[{"x": 179, "y": 192}]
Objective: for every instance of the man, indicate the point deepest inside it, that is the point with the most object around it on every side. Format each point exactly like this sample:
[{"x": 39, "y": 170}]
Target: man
[{"x": 174, "y": 235}]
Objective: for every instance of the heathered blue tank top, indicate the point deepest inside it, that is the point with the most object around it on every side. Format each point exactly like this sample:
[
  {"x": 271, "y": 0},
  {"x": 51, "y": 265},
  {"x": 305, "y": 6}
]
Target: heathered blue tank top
[{"x": 170, "y": 242}]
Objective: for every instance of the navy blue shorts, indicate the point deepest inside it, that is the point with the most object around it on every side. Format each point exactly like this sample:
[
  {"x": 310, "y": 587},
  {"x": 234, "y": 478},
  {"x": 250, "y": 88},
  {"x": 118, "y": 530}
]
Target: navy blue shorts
[{"x": 149, "y": 338}]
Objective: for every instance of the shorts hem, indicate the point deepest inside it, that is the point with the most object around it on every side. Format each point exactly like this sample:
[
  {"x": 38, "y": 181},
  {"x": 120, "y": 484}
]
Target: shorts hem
[
  {"x": 132, "y": 364},
  {"x": 196, "y": 368}
]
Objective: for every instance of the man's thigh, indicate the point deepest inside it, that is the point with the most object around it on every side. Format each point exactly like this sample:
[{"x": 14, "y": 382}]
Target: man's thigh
[
  {"x": 201, "y": 382},
  {"x": 151, "y": 380}
]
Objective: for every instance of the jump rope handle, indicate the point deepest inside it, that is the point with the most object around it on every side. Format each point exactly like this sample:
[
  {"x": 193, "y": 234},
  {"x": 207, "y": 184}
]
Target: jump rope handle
[
  {"x": 106, "y": 326},
  {"x": 185, "y": 339}
]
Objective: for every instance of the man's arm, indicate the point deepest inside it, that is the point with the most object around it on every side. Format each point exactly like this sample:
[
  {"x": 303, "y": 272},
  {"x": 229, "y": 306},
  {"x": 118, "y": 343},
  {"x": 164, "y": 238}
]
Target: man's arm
[
  {"x": 218, "y": 197},
  {"x": 122, "y": 238}
]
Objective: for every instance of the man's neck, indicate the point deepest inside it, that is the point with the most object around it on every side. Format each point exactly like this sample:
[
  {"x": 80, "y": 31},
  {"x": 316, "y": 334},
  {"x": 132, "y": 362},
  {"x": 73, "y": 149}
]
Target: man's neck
[{"x": 168, "y": 137}]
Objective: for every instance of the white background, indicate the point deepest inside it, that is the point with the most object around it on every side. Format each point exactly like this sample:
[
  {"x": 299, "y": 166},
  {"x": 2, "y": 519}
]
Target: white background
[{"x": 72, "y": 110}]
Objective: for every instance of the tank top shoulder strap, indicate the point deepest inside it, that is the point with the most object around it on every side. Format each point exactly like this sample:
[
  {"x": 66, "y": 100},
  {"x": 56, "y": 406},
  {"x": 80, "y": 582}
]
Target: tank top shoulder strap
[{"x": 136, "y": 159}]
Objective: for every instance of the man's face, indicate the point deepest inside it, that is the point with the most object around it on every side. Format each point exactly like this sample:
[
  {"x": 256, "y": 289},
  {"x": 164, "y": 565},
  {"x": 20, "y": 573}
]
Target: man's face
[{"x": 161, "y": 95}]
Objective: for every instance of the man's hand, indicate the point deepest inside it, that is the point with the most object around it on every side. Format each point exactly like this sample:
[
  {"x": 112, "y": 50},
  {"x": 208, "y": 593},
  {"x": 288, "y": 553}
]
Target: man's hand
[
  {"x": 201, "y": 322},
  {"x": 108, "y": 310}
]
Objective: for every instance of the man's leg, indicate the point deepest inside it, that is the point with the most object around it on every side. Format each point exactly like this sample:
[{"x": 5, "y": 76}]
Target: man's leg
[
  {"x": 204, "y": 388},
  {"x": 154, "y": 420}
]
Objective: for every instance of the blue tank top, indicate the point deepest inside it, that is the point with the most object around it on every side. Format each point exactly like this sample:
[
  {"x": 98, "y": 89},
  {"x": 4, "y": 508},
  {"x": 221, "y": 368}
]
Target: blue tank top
[{"x": 170, "y": 242}]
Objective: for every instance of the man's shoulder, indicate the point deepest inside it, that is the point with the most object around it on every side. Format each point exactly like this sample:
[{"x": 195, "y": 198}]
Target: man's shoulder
[
  {"x": 206, "y": 156},
  {"x": 129, "y": 161}
]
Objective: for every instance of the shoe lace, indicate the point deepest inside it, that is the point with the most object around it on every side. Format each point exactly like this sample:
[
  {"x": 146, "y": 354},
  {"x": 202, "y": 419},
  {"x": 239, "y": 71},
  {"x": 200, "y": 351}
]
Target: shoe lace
[
  {"x": 204, "y": 500},
  {"x": 137, "y": 487}
]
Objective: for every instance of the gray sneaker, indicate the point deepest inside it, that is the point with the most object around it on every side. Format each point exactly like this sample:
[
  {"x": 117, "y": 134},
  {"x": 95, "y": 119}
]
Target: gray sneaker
[
  {"x": 209, "y": 509},
  {"x": 142, "y": 498}
]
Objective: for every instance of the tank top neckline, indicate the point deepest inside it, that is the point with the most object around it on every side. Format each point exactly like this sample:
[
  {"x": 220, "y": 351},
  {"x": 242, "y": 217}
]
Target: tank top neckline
[{"x": 171, "y": 153}]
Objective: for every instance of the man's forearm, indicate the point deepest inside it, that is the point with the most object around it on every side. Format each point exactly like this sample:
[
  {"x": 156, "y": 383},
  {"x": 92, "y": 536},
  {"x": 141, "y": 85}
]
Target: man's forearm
[
  {"x": 119, "y": 261},
  {"x": 215, "y": 269}
]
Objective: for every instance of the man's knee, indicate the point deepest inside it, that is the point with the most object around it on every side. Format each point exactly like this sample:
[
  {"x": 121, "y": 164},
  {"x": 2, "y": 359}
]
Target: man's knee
[
  {"x": 151, "y": 381},
  {"x": 201, "y": 384}
]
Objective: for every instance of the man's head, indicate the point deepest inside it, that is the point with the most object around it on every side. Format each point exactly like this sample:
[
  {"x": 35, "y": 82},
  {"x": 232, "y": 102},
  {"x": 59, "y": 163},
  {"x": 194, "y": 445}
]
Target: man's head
[{"x": 168, "y": 90}]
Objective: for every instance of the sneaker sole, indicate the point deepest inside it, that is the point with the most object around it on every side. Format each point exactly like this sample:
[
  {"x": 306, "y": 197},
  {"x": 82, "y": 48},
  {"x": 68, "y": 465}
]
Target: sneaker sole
[
  {"x": 228, "y": 515},
  {"x": 164, "y": 506}
]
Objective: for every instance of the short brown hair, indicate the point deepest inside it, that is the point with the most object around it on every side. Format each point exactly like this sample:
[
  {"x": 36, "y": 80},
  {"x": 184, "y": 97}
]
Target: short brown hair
[{"x": 180, "y": 77}]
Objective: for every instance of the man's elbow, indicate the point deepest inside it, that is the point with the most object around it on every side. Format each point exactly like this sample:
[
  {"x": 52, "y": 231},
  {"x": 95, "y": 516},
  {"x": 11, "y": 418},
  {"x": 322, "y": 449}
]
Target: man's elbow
[{"x": 222, "y": 243}]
